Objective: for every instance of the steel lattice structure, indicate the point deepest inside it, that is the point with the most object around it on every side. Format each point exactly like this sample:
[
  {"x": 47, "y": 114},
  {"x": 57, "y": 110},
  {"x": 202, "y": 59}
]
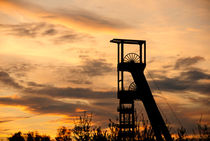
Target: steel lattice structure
[{"x": 138, "y": 90}]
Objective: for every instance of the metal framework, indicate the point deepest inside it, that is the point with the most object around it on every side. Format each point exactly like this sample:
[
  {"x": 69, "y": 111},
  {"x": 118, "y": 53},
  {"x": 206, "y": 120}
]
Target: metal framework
[{"x": 138, "y": 90}]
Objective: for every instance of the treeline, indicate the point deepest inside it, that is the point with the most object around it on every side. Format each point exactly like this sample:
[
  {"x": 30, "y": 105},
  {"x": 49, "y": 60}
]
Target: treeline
[{"x": 84, "y": 131}]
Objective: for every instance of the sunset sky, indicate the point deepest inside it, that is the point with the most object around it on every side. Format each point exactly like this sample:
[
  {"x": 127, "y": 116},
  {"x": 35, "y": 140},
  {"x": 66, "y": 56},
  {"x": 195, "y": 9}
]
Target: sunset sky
[{"x": 56, "y": 60}]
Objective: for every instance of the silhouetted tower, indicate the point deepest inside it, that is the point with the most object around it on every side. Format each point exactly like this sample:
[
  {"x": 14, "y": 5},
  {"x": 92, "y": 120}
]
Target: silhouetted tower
[{"x": 138, "y": 90}]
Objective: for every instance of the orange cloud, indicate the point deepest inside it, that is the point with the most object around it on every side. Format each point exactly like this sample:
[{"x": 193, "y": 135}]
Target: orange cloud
[
  {"x": 73, "y": 18},
  {"x": 80, "y": 110}
]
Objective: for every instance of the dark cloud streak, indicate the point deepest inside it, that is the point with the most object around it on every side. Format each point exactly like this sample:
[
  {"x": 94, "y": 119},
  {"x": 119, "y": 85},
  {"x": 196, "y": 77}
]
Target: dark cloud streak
[
  {"x": 73, "y": 16},
  {"x": 96, "y": 67},
  {"x": 47, "y": 90},
  {"x": 40, "y": 104},
  {"x": 186, "y": 81},
  {"x": 91, "y": 19},
  {"x": 189, "y": 79},
  {"x": 187, "y": 61},
  {"x": 27, "y": 29},
  {"x": 7, "y": 80},
  {"x": 68, "y": 92},
  {"x": 87, "y": 71},
  {"x": 47, "y": 105},
  {"x": 58, "y": 34},
  {"x": 3, "y": 121}
]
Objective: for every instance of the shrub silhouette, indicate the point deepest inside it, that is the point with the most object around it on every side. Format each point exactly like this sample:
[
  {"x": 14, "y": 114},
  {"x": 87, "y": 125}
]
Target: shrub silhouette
[
  {"x": 17, "y": 137},
  {"x": 29, "y": 137}
]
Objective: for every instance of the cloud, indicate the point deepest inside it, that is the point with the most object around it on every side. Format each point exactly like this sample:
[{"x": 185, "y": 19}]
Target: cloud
[
  {"x": 52, "y": 91},
  {"x": 203, "y": 100},
  {"x": 50, "y": 32},
  {"x": 195, "y": 75},
  {"x": 78, "y": 18},
  {"x": 6, "y": 80},
  {"x": 84, "y": 17},
  {"x": 85, "y": 72},
  {"x": 17, "y": 68},
  {"x": 3, "y": 121},
  {"x": 70, "y": 37},
  {"x": 80, "y": 81},
  {"x": 188, "y": 61},
  {"x": 28, "y": 29},
  {"x": 9, "y": 119},
  {"x": 48, "y": 105},
  {"x": 47, "y": 99},
  {"x": 68, "y": 92},
  {"x": 58, "y": 34},
  {"x": 40, "y": 104},
  {"x": 184, "y": 82},
  {"x": 189, "y": 79},
  {"x": 96, "y": 67},
  {"x": 34, "y": 84},
  {"x": 82, "y": 74}
]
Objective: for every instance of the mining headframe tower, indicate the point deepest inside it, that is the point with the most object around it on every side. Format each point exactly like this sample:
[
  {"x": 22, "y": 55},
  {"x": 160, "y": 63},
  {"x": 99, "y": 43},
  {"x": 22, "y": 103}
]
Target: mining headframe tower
[{"x": 138, "y": 90}]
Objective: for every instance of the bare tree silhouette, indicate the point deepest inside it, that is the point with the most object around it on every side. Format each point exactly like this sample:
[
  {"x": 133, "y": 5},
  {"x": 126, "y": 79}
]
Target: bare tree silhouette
[
  {"x": 64, "y": 134},
  {"x": 82, "y": 129}
]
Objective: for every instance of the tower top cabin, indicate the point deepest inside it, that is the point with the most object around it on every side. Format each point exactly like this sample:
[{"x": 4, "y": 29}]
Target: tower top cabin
[{"x": 137, "y": 58}]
